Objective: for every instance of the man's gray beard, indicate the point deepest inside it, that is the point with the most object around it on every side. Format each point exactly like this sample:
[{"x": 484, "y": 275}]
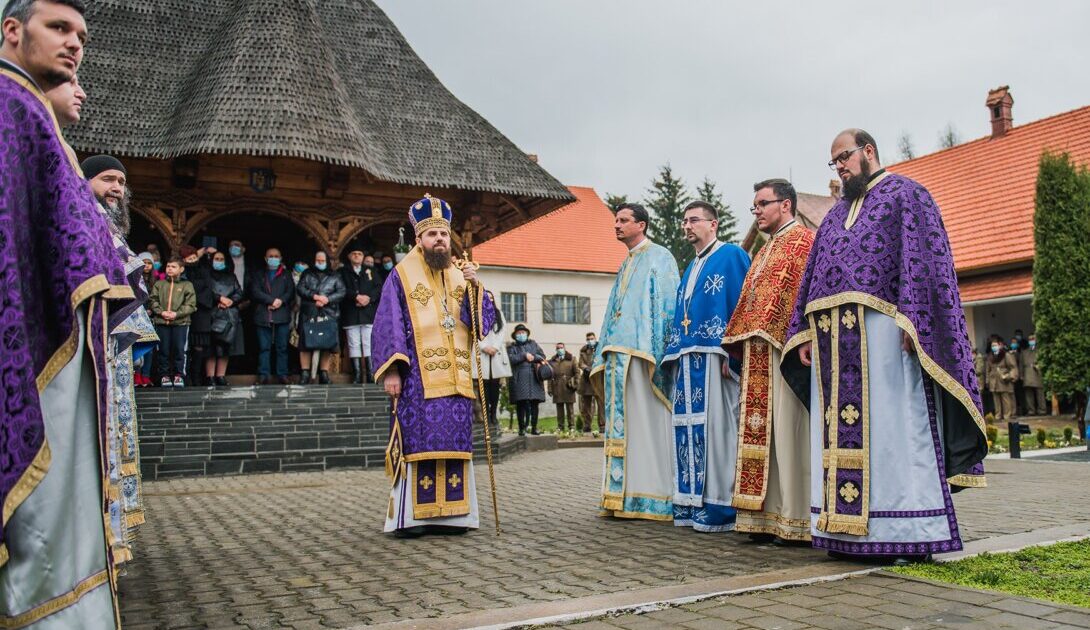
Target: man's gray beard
[
  {"x": 437, "y": 260},
  {"x": 120, "y": 219}
]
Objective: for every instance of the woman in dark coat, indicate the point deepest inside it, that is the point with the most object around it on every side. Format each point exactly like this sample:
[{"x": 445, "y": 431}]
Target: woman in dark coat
[
  {"x": 226, "y": 321},
  {"x": 197, "y": 271},
  {"x": 527, "y": 391},
  {"x": 320, "y": 291}
]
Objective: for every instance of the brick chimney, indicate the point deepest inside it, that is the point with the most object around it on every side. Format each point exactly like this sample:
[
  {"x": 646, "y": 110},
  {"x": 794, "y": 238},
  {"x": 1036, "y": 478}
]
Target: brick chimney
[
  {"x": 999, "y": 106},
  {"x": 834, "y": 188},
  {"x": 533, "y": 157}
]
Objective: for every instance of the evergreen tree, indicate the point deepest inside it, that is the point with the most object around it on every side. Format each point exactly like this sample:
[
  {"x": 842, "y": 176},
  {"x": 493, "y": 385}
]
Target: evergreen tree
[
  {"x": 666, "y": 204},
  {"x": 1061, "y": 293},
  {"x": 728, "y": 223},
  {"x": 615, "y": 201}
]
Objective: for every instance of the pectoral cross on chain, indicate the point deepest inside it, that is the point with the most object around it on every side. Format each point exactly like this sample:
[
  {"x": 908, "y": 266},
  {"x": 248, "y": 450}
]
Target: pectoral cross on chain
[{"x": 685, "y": 324}]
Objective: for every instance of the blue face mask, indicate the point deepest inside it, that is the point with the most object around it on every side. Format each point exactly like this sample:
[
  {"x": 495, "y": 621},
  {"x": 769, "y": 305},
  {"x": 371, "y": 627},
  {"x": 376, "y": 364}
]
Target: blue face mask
[
  {"x": 300, "y": 267},
  {"x": 156, "y": 265},
  {"x": 1014, "y": 345},
  {"x": 320, "y": 266},
  {"x": 560, "y": 353},
  {"x": 273, "y": 262},
  {"x": 521, "y": 337},
  {"x": 235, "y": 251},
  {"x": 1032, "y": 344},
  {"x": 219, "y": 265},
  {"x": 387, "y": 266},
  {"x": 593, "y": 343},
  {"x": 995, "y": 349}
]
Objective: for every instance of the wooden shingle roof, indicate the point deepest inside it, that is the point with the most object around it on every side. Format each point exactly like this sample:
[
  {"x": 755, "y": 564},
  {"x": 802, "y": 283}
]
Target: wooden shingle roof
[{"x": 327, "y": 80}]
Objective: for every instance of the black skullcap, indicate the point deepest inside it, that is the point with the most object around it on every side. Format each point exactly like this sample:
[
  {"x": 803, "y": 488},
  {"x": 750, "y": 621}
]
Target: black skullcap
[{"x": 96, "y": 164}]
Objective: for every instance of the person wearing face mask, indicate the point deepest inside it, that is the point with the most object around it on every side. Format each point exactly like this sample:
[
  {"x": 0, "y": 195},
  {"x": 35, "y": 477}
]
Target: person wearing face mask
[
  {"x": 387, "y": 266},
  {"x": 273, "y": 293},
  {"x": 237, "y": 263},
  {"x": 362, "y": 289},
  {"x": 219, "y": 306},
  {"x": 1002, "y": 373},
  {"x": 1015, "y": 346},
  {"x": 562, "y": 387},
  {"x": 527, "y": 392},
  {"x": 320, "y": 293},
  {"x": 590, "y": 404},
  {"x": 1032, "y": 384}
]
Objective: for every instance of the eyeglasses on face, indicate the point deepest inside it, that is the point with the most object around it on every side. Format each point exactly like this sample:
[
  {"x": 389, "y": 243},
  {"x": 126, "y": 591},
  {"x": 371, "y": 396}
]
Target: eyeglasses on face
[
  {"x": 693, "y": 221},
  {"x": 759, "y": 206},
  {"x": 843, "y": 157}
]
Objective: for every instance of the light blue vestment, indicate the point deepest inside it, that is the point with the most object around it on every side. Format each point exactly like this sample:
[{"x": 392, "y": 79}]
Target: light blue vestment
[{"x": 632, "y": 343}]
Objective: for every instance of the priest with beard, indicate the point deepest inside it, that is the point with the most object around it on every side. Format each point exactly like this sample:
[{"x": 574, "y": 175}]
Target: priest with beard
[
  {"x": 878, "y": 350},
  {"x": 422, "y": 345},
  {"x": 132, "y": 337}
]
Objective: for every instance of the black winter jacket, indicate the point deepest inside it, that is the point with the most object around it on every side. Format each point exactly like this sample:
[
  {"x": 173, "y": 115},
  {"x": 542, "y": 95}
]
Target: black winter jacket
[
  {"x": 367, "y": 282},
  {"x": 327, "y": 283},
  {"x": 264, "y": 291}
]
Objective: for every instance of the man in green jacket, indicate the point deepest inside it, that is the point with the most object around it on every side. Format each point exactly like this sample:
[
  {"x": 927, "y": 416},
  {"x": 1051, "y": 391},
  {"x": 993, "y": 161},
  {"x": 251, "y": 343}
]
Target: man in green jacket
[{"x": 172, "y": 301}]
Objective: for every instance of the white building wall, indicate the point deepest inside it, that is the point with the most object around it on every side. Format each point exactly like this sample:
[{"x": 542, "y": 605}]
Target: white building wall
[{"x": 537, "y": 283}]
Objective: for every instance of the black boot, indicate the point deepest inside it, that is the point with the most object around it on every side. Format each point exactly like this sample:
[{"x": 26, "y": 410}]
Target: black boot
[
  {"x": 323, "y": 377},
  {"x": 366, "y": 370},
  {"x": 304, "y": 377},
  {"x": 221, "y": 381},
  {"x": 357, "y": 371}
]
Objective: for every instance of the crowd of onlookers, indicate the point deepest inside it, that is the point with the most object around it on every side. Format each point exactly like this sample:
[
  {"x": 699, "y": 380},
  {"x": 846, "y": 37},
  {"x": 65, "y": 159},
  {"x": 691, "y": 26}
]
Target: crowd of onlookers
[
  {"x": 1008, "y": 371},
  {"x": 203, "y": 301}
]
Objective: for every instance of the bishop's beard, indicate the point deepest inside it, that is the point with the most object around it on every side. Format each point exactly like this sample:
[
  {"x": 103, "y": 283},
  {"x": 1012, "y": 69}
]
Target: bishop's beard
[
  {"x": 856, "y": 185},
  {"x": 437, "y": 260},
  {"x": 120, "y": 219}
]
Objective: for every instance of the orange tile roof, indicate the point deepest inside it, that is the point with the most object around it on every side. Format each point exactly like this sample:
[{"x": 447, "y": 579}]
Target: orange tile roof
[
  {"x": 575, "y": 237},
  {"x": 986, "y": 187},
  {"x": 996, "y": 285}
]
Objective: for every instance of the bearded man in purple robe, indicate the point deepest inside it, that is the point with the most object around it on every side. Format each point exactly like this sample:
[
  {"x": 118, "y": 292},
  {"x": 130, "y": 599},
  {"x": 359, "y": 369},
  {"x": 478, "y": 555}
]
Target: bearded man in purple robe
[
  {"x": 879, "y": 351},
  {"x": 62, "y": 287},
  {"x": 422, "y": 342}
]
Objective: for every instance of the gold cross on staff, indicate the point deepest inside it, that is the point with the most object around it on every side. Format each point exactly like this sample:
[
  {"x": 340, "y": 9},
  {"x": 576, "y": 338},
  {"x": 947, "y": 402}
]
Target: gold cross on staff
[{"x": 685, "y": 324}]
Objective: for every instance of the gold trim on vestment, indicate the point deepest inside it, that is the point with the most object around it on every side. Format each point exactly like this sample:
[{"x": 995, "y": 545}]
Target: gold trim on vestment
[
  {"x": 416, "y": 457},
  {"x": 615, "y": 448},
  {"x": 932, "y": 368},
  {"x": 749, "y": 416},
  {"x": 445, "y": 375},
  {"x": 37, "y": 92},
  {"x": 638, "y": 354},
  {"x": 381, "y": 372},
  {"x": 56, "y": 604},
  {"x": 647, "y": 516},
  {"x": 857, "y": 204},
  {"x": 966, "y": 480},
  {"x": 755, "y": 522},
  {"x": 442, "y": 507}
]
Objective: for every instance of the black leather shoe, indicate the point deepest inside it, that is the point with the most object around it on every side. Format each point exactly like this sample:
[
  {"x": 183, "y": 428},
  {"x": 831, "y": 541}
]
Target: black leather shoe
[
  {"x": 357, "y": 371},
  {"x": 323, "y": 377},
  {"x": 304, "y": 377},
  {"x": 220, "y": 381}
]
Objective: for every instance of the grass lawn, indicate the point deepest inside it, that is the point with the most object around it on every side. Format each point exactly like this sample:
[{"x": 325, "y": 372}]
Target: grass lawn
[
  {"x": 1054, "y": 430},
  {"x": 544, "y": 425},
  {"x": 1058, "y": 573}
]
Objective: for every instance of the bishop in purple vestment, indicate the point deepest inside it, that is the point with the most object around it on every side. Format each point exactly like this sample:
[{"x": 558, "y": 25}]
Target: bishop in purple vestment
[
  {"x": 879, "y": 351},
  {"x": 422, "y": 343},
  {"x": 60, "y": 282}
]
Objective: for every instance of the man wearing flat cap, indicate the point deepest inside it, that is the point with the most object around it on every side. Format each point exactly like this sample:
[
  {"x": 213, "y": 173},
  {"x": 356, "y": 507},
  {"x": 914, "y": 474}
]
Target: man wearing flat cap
[{"x": 423, "y": 348}]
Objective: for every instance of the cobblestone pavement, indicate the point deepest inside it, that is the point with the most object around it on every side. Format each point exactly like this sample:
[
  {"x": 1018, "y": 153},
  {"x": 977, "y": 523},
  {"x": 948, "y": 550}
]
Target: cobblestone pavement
[
  {"x": 878, "y": 600},
  {"x": 305, "y": 550},
  {"x": 1078, "y": 456}
]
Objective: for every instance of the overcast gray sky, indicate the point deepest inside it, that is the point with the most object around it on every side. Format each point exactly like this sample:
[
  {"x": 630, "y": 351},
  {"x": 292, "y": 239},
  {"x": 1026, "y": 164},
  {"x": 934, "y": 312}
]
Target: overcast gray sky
[{"x": 605, "y": 91}]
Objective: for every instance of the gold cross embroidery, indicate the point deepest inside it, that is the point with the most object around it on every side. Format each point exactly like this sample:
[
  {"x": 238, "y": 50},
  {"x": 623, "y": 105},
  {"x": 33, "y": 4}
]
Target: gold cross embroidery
[
  {"x": 454, "y": 480},
  {"x": 849, "y": 492},
  {"x": 849, "y": 415},
  {"x": 426, "y": 483},
  {"x": 421, "y": 294},
  {"x": 848, "y": 320},
  {"x": 824, "y": 323}
]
